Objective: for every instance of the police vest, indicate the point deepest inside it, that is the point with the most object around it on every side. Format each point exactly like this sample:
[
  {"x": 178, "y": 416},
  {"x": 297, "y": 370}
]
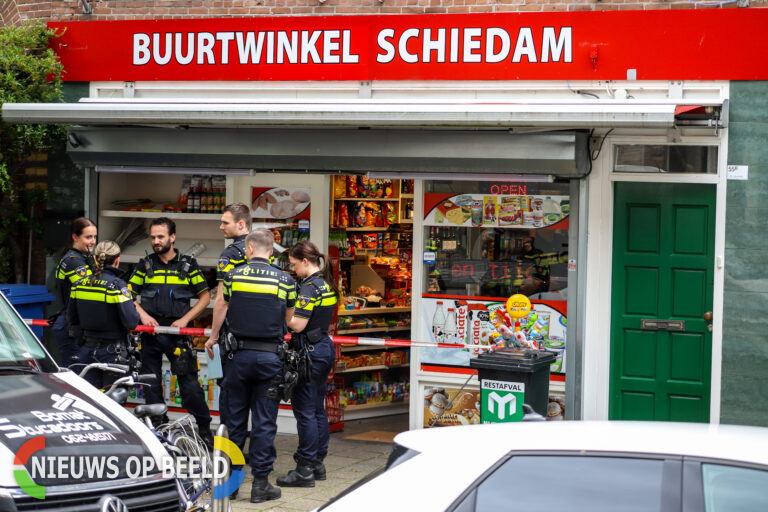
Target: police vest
[
  {"x": 166, "y": 289},
  {"x": 74, "y": 266},
  {"x": 258, "y": 295},
  {"x": 103, "y": 306},
  {"x": 232, "y": 257},
  {"x": 316, "y": 301}
]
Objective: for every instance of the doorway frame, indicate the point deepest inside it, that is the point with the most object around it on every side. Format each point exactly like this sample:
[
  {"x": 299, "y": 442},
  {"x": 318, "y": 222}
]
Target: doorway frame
[{"x": 600, "y": 214}]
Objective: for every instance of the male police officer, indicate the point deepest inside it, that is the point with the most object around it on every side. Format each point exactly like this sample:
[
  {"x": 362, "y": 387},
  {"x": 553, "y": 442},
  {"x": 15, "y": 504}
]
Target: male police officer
[
  {"x": 259, "y": 298},
  {"x": 166, "y": 281},
  {"x": 235, "y": 223}
]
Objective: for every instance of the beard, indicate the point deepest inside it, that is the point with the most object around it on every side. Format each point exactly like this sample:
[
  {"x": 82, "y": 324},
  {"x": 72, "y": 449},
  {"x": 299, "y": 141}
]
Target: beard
[{"x": 162, "y": 249}]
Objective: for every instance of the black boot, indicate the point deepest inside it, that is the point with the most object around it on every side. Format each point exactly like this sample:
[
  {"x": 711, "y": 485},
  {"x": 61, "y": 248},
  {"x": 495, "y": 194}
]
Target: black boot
[
  {"x": 262, "y": 490},
  {"x": 319, "y": 471},
  {"x": 302, "y": 476}
]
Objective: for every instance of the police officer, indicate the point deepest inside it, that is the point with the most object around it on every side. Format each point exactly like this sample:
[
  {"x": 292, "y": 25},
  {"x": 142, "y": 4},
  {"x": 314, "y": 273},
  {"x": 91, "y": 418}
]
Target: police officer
[
  {"x": 75, "y": 264},
  {"x": 315, "y": 306},
  {"x": 235, "y": 223},
  {"x": 102, "y": 307},
  {"x": 166, "y": 281},
  {"x": 259, "y": 298}
]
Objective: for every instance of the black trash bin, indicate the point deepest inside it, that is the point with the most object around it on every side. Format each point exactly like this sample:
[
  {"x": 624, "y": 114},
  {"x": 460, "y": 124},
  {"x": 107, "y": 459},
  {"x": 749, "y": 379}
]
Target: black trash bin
[{"x": 510, "y": 378}]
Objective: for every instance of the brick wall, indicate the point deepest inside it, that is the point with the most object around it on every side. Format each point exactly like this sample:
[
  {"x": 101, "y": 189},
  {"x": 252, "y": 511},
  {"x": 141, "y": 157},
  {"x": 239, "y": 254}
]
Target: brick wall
[{"x": 16, "y": 11}]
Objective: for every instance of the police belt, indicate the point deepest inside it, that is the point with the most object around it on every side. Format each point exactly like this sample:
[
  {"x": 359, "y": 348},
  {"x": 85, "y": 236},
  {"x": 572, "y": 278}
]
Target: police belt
[
  {"x": 91, "y": 342},
  {"x": 259, "y": 344}
]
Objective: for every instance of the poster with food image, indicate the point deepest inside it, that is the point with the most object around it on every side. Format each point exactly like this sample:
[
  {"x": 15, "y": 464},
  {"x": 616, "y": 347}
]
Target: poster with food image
[
  {"x": 498, "y": 211},
  {"x": 448, "y": 407},
  {"x": 280, "y": 202},
  {"x": 475, "y": 323}
]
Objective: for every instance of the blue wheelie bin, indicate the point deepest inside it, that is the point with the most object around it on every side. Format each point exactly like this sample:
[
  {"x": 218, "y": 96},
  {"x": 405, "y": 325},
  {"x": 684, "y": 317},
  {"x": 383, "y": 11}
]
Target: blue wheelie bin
[{"x": 29, "y": 300}]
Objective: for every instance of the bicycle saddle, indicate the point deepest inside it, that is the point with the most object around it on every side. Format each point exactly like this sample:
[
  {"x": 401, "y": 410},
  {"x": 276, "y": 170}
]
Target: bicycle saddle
[{"x": 151, "y": 410}]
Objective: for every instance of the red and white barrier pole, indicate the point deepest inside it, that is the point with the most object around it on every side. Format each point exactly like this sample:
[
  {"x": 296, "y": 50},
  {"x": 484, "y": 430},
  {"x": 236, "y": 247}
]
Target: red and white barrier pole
[{"x": 338, "y": 340}]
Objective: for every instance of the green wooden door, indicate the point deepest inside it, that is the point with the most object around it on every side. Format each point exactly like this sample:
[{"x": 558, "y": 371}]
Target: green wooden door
[{"x": 663, "y": 252}]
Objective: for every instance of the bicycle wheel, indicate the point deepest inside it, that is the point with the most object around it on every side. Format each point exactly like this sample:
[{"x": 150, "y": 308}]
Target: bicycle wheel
[{"x": 197, "y": 486}]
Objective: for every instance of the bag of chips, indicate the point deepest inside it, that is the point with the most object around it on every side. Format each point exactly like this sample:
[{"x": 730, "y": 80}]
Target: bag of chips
[
  {"x": 363, "y": 186},
  {"x": 390, "y": 213},
  {"x": 372, "y": 214},
  {"x": 343, "y": 220},
  {"x": 360, "y": 214},
  {"x": 339, "y": 186},
  {"x": 352, "y": 188}
]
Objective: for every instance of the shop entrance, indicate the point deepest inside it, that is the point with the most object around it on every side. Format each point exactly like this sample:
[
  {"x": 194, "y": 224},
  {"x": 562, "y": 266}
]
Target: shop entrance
[{"x": 661, "y": 340}]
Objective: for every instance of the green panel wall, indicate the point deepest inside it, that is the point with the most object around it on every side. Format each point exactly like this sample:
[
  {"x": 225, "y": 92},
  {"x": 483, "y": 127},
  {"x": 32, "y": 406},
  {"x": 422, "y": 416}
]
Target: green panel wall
[{"x": 745, "y": 322}]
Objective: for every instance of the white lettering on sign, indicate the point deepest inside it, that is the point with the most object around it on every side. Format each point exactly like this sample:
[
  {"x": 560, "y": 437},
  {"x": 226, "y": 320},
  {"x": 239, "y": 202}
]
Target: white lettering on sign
[
  {"x": 412, "y": 45},
  {"x": 475, "y": 45},
  {"x": 501, "y": 385},
  {"x": 270, "y": 47}
]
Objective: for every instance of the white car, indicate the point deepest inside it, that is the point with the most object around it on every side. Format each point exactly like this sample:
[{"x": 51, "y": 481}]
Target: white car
[{"x": 570, "y": 466}]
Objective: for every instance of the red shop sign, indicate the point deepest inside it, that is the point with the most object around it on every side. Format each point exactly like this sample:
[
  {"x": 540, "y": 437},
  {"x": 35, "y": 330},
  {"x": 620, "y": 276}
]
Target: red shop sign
[{"x": 718, "y": 44}]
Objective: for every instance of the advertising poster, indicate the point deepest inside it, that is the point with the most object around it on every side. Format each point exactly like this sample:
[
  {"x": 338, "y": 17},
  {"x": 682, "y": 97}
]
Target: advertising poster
[
  {"x": 280, "y": 202},
  {"x": 464, "y": 321},
  {"x": 497, "y": 211},
  {"x": 448, "y": 407}
]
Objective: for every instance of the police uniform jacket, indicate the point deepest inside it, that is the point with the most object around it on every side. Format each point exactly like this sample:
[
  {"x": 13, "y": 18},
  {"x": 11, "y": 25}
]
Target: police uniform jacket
[
  {"x": 74, "y": 266},
  {"x": 232, "y": 257},
  {"x": 166, "y": 288},
  {"x": 103, "y": 306},
  {"x": 316, "y": 301},
  {"x": 258, "y": 295}
]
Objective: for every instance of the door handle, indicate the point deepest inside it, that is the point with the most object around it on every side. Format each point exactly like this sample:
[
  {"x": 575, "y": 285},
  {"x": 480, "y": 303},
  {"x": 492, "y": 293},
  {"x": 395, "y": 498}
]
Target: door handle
[{"x": 708, "y": 316}]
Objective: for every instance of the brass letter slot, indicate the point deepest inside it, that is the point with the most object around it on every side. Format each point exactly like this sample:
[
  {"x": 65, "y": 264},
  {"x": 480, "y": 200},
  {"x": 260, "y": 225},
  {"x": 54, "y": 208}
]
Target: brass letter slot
[{"x": 651, "y": 324}]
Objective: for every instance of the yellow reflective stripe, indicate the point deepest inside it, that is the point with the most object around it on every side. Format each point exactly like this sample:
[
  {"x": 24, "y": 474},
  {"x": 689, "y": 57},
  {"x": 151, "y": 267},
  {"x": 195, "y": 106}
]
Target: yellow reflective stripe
[
  {"x": 328, "y": 302},
  {"x": 117, "y": 299},
  {"x": 87, "y": 295},
  {"x": 196, "y": 278},
  {"x": 166, "y": 279},
  {"x": 255, "y": 278},
  {"x": 238, "y": 286}
]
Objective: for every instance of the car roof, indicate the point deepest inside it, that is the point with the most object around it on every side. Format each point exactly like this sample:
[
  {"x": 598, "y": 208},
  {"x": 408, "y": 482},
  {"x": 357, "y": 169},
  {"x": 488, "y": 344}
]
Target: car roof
[{"x": 728, "y": 442}]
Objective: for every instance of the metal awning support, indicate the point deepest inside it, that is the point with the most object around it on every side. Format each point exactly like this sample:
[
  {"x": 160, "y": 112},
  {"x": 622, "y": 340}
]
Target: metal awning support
[{"x": 346, "y": 113}]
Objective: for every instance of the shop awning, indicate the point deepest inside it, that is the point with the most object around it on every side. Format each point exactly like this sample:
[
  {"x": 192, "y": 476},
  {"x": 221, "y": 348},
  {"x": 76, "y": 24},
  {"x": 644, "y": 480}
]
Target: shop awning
[
  {"x": 333, "y": 150},
  {"x": 344, "y": 113},
  {"x": 340, "y": 136}
]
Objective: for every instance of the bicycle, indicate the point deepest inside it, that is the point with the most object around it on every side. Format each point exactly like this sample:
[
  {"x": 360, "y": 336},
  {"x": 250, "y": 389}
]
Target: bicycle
[{"x": 179, "y": 437}]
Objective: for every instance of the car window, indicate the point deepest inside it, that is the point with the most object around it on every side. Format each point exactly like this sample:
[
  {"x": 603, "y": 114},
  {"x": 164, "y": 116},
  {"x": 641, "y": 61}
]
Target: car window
[
  {"x": 573, "y": 483},
  {"x": 19, "y": 349},
  {"x": 734, "y": 489}
]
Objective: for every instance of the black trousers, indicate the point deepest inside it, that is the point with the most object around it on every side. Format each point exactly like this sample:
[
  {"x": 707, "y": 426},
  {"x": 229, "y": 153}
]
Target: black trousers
[{"x": 152, "y": 349}]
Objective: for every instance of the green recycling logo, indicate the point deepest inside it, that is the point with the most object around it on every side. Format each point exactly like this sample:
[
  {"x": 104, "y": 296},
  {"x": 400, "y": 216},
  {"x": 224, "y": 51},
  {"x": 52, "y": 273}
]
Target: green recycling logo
[{"x": 501, "y": 401}]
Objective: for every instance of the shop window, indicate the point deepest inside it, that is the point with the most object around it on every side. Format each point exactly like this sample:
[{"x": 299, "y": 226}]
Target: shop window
[
  {"x": 665, "y": 158},
  {"x": 485, "y": 241}
]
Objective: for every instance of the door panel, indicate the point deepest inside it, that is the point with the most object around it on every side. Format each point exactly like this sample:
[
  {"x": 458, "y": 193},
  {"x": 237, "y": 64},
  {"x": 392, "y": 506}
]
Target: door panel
[{"x": 662, "y": 270}]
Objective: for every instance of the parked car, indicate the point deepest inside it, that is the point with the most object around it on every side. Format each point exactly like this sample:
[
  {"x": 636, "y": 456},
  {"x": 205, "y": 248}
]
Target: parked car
[
  {"x": 570, "y": 466},
  {"x": 71, "y": 419}
]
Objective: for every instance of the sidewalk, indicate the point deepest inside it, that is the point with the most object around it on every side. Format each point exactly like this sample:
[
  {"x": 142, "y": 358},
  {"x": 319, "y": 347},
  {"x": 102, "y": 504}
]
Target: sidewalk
[{"x": 347, "y": 462}]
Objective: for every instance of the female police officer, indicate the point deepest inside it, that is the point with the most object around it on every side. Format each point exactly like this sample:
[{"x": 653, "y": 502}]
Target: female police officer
[
  {"x": 76, "y": 263},
  {"x": 102, "y": 306},
  {"x": 315, "y": 304}
]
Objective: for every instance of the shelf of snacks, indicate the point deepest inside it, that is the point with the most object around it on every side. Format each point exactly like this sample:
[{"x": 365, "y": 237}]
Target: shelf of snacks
[
  {"x": 374, "y": 329},
  {"x": 374, "y": 311},
  {"x": 382, "y": 360},
  {"x": 394, "y": 199},
  {"x": 372, "y": 368}
]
